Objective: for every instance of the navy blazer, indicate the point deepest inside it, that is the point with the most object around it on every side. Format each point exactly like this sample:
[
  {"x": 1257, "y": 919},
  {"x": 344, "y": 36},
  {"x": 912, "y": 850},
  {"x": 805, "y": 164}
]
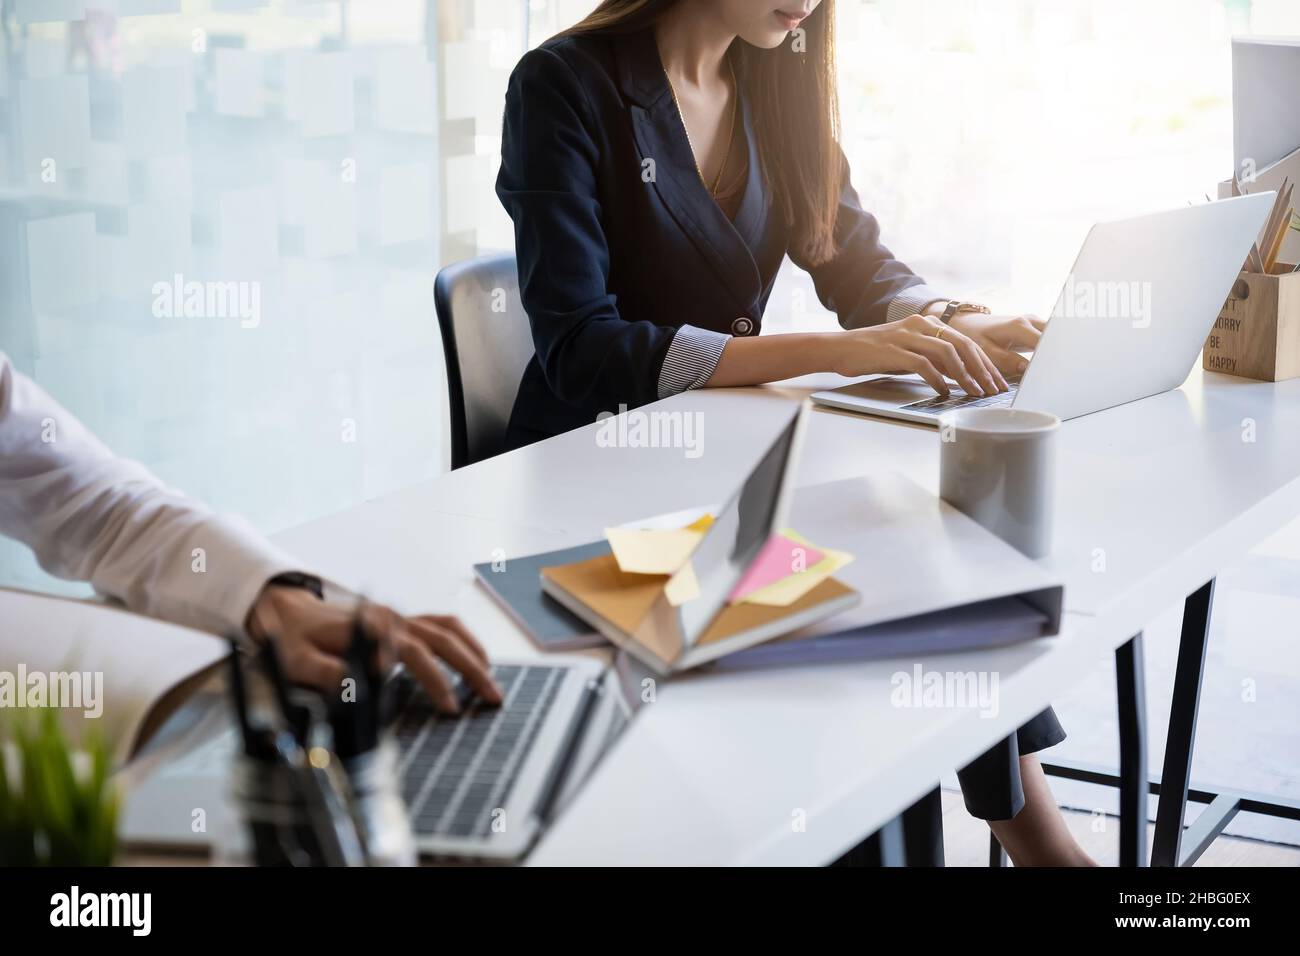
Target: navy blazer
[{"x": 615, "y": 254}]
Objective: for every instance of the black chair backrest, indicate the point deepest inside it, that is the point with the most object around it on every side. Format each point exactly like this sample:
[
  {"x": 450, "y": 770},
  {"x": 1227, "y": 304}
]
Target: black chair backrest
[{"x": 487, "y": 342}]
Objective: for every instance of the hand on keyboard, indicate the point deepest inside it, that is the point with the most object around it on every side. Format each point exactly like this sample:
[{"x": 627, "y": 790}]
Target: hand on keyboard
[
  {"x": 1002, "y": 337},
  {"x": 922, "y": 345},
  {"x": 942, "y": 404},
  {"x": 311, "y": 637}
]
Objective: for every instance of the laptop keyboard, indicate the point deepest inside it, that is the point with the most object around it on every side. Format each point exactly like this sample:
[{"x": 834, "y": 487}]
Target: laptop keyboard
[
  {"x": 457, "y": 770},
  {"x": 940, "y": 404}
]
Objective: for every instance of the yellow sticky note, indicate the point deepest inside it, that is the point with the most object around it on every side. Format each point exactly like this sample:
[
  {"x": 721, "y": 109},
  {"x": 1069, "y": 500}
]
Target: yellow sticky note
[
  {"x": 701, "y": 524},
  {"x": 651, "y": 551},
  {"x": 682, "y": 586}
]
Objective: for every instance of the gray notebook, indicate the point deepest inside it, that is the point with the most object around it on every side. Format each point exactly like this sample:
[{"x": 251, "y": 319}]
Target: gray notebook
[{"x": 517, "y": 586}]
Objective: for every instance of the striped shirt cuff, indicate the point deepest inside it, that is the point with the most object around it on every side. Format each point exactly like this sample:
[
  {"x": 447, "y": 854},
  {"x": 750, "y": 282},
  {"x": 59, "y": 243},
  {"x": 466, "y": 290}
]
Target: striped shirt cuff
[
  {"x": 691, "y": 359},
  {"x": 911, "y": 301}
]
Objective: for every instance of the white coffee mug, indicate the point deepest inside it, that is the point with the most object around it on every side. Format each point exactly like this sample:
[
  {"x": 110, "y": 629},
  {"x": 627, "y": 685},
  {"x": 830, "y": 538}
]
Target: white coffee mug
[{"x": 998, "y": 465}]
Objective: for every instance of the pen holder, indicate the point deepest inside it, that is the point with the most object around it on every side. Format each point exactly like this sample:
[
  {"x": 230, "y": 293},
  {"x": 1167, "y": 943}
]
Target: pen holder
[{"x": 1257, "y": 333}]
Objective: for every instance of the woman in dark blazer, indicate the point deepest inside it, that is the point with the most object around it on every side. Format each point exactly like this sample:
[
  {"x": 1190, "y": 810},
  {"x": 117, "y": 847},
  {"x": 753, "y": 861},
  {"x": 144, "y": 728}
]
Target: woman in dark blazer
[{"x": 659, "y": 161}]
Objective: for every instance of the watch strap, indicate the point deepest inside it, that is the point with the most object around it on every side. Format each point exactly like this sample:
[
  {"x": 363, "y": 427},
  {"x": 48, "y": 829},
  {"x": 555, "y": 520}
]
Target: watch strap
[{"x": 955, "y": 308}]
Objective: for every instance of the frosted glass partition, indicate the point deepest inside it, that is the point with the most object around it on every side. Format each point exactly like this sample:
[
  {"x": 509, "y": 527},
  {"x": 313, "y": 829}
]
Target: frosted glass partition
[{"x": 220, "y": 223}]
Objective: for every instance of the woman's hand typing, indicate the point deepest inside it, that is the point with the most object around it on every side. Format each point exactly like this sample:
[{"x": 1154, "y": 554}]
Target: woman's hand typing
[{"x": 922, "y": 345}]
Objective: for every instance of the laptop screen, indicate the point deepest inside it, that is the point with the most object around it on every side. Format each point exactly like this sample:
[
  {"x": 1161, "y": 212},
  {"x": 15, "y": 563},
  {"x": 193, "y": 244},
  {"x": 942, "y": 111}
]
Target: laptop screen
[{"x": 756, "y": 511}]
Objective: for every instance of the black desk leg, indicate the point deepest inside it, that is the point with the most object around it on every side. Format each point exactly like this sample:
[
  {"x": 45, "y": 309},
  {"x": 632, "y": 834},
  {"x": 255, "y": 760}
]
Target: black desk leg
[
  {"x": 997, "y": 855},
  {"x": 1176, "y": 776},
  {"x": 1131, "y": 695},
  {"x": 913, "y": 838},
  {"x": 923, "y": 830},
  {"x": 886, "y": 847}
]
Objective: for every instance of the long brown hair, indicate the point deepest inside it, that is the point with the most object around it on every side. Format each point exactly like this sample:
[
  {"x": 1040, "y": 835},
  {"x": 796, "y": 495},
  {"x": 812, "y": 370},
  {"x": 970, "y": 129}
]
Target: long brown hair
[{"x": 796, "y": 115}]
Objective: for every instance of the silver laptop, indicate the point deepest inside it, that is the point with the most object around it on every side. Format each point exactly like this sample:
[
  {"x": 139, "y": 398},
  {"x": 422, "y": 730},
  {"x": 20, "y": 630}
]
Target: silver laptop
[
  {"x": 1129, "y": 322},
  {"x": 521, "y": 762}
]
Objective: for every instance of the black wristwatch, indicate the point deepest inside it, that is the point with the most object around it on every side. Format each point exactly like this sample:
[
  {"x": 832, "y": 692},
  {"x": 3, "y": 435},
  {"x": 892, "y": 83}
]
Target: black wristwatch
[
  {"x": 954, "y": 308},
  {"x": 290, "y": 579},
  {"x": 296, "y": 579}
]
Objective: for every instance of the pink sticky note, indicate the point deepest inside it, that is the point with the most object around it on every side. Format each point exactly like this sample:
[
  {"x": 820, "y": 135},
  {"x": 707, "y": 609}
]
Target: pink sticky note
[{"x": 779, "y": 558}]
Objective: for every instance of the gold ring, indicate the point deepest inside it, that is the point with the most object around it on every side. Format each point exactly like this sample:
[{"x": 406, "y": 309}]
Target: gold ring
[{"x": 942, "y": 329}]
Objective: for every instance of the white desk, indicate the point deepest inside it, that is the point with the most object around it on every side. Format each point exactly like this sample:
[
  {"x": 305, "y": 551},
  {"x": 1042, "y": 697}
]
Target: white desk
[{"x": 719, "y": 768}]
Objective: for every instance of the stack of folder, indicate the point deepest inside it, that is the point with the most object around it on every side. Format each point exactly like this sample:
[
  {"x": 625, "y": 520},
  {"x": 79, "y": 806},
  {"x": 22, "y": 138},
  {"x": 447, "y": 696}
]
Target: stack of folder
[
  {"x": 927, "y": 580},
  {"x": 639, "y": 595}
]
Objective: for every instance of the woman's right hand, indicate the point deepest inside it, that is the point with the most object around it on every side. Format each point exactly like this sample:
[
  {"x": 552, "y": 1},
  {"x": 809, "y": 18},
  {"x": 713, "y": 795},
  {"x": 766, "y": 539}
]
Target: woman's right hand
[{"x": 922, "y": 345}]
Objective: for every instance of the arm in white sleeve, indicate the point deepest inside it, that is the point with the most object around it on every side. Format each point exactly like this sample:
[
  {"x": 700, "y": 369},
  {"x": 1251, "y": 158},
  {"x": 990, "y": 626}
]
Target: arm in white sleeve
[
  {"x": 91, "y": 516},
  {"x": 691, "y": 358}
]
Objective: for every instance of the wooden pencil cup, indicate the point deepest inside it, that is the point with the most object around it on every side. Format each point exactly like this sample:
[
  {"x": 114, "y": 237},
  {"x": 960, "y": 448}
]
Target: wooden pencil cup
[{"x": 1257, "y": 333}]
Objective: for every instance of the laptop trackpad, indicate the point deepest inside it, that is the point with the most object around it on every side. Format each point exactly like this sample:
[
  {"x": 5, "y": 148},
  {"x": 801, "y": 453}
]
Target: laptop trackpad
[{"x": 902, "y": 389}]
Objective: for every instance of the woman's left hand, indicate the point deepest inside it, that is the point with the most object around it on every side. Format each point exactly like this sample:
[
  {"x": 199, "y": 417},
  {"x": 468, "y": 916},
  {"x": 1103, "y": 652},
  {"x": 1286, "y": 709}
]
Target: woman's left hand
[{"x": 1002, "y": 337}]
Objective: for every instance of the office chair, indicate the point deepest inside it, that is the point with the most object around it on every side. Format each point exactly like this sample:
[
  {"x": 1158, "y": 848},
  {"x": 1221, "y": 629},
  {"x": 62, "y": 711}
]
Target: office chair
[{"x": 486, "y": 341}]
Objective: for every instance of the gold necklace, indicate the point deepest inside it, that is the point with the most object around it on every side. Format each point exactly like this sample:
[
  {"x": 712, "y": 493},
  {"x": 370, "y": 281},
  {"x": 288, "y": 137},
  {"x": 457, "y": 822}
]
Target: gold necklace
[{"x": 731, "y": 136}]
